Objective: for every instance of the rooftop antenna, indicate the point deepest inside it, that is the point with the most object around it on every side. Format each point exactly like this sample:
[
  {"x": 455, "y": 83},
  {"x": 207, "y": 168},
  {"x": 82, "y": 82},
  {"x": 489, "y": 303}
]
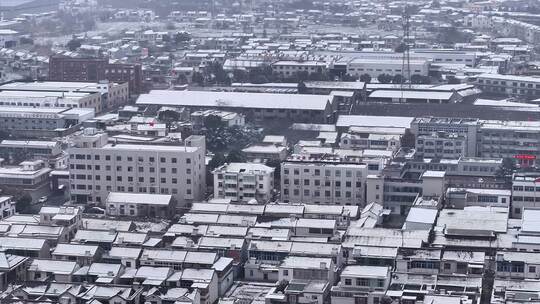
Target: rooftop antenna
[{"x": 406, "y": 58}]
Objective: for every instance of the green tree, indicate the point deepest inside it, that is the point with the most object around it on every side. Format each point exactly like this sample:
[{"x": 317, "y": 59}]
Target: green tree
[
  {"x": 73, "y": 44},
  {"x": 89, "y": 23},
  {"x": 216, "y": 161},
  {"x": 302, "y": 88},
  {"x": 26, "y": 40},
  {"x": 507, "y": 168},
  {"x": 408, "y": 139},
  {"x": 235, "y": 156},
  {"x": 384, "y": 78},
  {"x": 181, "y": 37},
  {"x": 276, "y": 164},
  {"x": 169, "y": 117},
  {"x": 347, "y": 77},
  {"x": 398, "y": 78},
  {"x": 181, "y": 78},
  {"x": 198, "y": 78},
  {"x": 365, "y": 78},
  {"x": 24, "y": 202},
  {"x": 213, "y": 122},
  {"x": 453, "y": 80},
  {"x": 401, "y": 48},
  {"x": 451, "y": 35},
  {"x": 240, "y": 76},
  {"x": 420, "y": 79}
]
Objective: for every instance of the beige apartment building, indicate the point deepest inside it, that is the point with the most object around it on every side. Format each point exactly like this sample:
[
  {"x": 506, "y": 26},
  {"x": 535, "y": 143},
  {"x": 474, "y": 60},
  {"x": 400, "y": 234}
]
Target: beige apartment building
[{"x": 98, "y": 167}]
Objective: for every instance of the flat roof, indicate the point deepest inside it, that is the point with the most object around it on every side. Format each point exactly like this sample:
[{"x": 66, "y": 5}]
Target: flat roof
[
  {"x": 365, "y": 271},
  {"x": 508, "y": 77},
  {"x": 411, "y": 94},
  {"x": 135, "y": 147},
  {"x": 75, "y": 250},
  {"x": 28, "y": 143},
  {"x": 235, "y": 100},
  {"x": 422, "y": 215},
  {"x": 247, "y": 168},
  {"x": 139, "y": 198},
  {"x": 374, "y": 121}
]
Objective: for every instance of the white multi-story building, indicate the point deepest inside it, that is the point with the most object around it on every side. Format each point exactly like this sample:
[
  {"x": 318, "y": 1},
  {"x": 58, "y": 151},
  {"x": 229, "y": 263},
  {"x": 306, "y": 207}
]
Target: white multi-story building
[
  {"x": 372, "y": 138},
  {"x": 96, "y": 95},
  {"x": 477, "y": 21},
  {"x": 525, "y": 193},
  {"x": 398, "y": 193},
  {"x": 465, "y": 127},
  {"x": 97, "y": 168},
  {"x": 446, "y": 56},
  {"x": 361, "y": 284},
  {"x": 7, "y": 206},
  {"x": 8, "y": 38},
  {"x": 441, "y": 145},
  {"x": 242, "y": 182},
  {"x": 290, "y": 68},
  {"x": 512, "y": 85},
  {"x": 376, "y": 66},
  {"x": 323, "y": 182},
  {"x": 510, "y": 139},
  {"x": 51, "y": 99}
]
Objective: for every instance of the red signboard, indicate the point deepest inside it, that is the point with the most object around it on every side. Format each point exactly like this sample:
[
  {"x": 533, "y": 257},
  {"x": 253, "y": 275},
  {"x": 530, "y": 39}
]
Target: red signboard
[{"x": 525, "y": 157}]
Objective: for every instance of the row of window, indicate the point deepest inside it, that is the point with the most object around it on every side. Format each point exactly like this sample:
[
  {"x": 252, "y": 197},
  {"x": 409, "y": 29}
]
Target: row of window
[
  {"x": 151, "y": 190},
  {"x": 514, "y": 84},
  {"x": 365, "y": 282},
  {"x": 526, "y": 188},
  {"x": 327, "y": 172},
  {"x": 129, "y": 169},
  {"x": 525, "y": 199},
  {"x": 141, "y": 179},
  {"x": 317, "y": 193},
  {"x": 439, "y": 143},
  {"x": 317, "y": 182},
  {"x": 151, "y": 159}
]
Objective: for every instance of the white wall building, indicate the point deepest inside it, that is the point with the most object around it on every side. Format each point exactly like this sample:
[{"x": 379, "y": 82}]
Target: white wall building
[
  {"x": 7, "y": 206},
  {"x": 525, "y": 193},
  {"x": 375, "y": 67},
  {"x": 441, "y": 145},
  {"x": 323, "y": 182},
  {"x": 243, "y": 182},
  {"x": 290, "y": 68},
  {"x": 361, "y": 284},
  {"x": 97, "y": 168}
]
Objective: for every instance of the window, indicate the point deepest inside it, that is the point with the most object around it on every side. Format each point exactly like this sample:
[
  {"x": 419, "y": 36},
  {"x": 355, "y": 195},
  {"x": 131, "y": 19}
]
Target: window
[
  {"x": 362, "y": 282},
  {"x": 532, "y": 268},
  {"x": 348, "y": 282}
]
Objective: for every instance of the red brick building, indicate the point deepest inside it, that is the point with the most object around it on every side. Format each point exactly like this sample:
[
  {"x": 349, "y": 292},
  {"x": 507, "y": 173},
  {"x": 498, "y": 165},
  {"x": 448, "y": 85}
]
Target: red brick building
[{"x": 95, "y": 69}]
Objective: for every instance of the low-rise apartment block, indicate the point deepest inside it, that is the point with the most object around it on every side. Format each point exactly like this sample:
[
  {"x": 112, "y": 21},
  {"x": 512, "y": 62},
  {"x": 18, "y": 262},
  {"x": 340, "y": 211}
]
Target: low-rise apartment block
[
  {"x": 315, "y": 181},
  {"x": 243, "y": 182},
  {"x": 97, "y": 168}
]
